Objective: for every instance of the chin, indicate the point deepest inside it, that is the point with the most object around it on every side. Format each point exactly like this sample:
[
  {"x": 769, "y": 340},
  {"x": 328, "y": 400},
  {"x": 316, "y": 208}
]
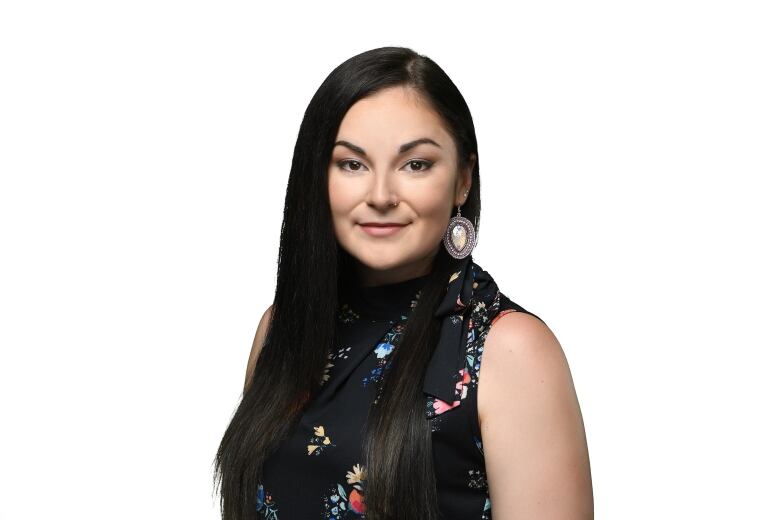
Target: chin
[{"x": 380, "y": 264}]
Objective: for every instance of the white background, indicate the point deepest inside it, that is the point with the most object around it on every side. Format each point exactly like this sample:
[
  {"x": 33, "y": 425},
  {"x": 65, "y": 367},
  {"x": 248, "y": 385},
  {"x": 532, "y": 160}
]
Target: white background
[{"x": 629, "y": 154}]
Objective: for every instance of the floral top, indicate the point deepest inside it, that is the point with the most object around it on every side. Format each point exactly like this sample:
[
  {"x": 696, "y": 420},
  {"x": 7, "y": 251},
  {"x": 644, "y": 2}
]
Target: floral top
[{"x": 317, "y": 473}]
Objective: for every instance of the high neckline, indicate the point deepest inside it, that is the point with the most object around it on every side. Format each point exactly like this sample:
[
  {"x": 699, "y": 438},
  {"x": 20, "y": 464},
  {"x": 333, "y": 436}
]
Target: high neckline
[{"x": 387, "y": 301}]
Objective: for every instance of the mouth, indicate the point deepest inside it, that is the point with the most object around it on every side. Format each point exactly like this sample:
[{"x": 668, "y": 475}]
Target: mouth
[{"x": 381, "y": 229}]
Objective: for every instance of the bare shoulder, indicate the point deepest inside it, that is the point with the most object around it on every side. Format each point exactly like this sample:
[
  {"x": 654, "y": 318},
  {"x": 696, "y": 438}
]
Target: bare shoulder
[
  {"x": 257, "y": 345},
  {"x": 532, "y": 430},
  {"x": 518, "y": 346}
]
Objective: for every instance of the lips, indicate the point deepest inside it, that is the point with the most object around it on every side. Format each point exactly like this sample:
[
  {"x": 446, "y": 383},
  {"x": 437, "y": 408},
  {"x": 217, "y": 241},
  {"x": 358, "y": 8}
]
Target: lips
[{"x": 380, "y": 229}]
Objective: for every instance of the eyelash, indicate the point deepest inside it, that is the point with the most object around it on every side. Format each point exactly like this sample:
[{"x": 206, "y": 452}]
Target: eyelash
[{"x": 427, "y": 164}]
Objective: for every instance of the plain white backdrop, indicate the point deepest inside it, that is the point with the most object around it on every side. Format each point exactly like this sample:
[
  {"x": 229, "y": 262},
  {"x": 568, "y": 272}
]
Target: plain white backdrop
[{"x": 629, "y": 158}]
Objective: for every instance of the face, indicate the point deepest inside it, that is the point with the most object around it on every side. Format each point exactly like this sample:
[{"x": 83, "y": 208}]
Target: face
[{"x": 394, "y": 162}]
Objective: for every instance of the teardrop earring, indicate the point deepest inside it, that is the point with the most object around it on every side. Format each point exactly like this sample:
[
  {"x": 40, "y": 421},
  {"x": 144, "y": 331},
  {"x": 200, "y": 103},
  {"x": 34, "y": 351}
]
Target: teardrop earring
[{"x": 460, "y": 237}]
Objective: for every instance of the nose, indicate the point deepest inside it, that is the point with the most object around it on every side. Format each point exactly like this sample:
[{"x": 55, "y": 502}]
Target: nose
[{"x": 381, "y": 193}]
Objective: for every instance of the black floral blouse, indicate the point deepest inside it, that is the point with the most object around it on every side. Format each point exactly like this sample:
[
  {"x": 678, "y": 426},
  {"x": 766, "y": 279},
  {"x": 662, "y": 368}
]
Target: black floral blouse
[{"x": 317, "y": 473}]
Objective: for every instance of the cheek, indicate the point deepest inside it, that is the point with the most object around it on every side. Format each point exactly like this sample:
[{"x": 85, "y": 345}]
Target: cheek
[
  {"x": 431, "y": 200},
  {"x": 337, "y": 194},
  {"x": 343, "y": 200},
  {"x": 433, "y": 213},
  {"x": 431, "y": 207}
]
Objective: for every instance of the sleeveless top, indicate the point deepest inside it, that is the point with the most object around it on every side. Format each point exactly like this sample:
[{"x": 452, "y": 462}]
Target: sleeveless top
[{"x": 316, "y": 473}]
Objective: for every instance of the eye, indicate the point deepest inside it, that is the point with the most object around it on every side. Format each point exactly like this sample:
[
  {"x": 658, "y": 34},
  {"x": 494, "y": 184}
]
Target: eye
[
  {"x": 420, "y": 162},
  {"x": 349, "y": 163},
  {"x": 353, "y": 165}
]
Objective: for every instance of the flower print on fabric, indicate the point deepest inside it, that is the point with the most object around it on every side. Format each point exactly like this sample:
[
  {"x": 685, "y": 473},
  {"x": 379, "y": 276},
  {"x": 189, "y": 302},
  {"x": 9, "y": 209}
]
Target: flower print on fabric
[
  {"x": 477, "y": 478},
  {"x": 337, "y": 504},
  {"x": 486, "y": 511},
  {"x": 461, "y": 391},
  {"x": 478, "y": 442},
  {"x": 383, "y": 350},
  {"x": 472, "y": 304},
  {"x": 265, "y": 504},
  {"x": 319, "y": 441},
  {"x": 342, "y": 353},
  {"x": 469, "y": 374},
  {"x": 347, "y": 314},
  {"x": 436, "y": 406},
  {"x": 326, "y": 372}
]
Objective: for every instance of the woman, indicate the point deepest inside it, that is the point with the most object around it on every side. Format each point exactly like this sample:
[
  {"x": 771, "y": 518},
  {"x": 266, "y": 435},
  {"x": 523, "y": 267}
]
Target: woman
[{"x": 360, "y": 399}]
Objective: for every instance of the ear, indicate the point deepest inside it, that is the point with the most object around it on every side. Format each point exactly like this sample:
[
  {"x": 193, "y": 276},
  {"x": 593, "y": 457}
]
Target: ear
[{"x": 463, "y": 183}]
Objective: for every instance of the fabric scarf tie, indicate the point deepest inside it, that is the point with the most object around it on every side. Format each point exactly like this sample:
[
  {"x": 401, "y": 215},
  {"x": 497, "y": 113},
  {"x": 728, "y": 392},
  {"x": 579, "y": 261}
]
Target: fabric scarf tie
[{"x": 469, "y": 286}]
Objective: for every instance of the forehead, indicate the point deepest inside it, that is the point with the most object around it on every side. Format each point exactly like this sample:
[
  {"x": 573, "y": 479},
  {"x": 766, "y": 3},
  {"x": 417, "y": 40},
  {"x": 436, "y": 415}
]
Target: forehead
[{"x": 392, "y": 116}]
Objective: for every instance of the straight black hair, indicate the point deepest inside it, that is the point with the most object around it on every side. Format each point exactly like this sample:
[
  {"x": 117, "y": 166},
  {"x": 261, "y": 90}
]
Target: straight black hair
[{"x": 312, "y": 267}]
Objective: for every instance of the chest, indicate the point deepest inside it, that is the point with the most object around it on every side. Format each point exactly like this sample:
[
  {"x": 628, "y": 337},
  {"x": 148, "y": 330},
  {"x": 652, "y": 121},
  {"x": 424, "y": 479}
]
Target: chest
[{"x": 319, "y": 468}]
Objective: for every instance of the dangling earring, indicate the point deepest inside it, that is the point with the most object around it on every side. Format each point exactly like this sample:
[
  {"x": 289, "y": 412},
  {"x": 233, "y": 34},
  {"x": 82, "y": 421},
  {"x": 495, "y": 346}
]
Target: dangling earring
[{"x": 460, "y": 237}]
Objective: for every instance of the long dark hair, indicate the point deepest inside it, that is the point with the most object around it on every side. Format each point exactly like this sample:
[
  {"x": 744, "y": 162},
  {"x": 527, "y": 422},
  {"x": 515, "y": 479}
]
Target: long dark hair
[{"x": 397, "y": 452}]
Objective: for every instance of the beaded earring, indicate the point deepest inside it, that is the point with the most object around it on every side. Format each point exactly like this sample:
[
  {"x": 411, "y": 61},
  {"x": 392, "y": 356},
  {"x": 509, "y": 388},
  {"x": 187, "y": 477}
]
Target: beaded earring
[{"x": 460, "y": 237}]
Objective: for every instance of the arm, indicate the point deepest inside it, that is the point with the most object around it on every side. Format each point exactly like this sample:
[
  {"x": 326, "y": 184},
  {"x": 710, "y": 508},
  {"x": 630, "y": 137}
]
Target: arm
[
  {"x": 257, "y": 345},
  {"x": 536, "y": 454}
]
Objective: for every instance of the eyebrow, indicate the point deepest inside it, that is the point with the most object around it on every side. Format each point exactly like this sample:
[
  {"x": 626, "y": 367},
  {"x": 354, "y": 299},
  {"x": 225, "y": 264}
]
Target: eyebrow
[{"x": 401, "y": 149}]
